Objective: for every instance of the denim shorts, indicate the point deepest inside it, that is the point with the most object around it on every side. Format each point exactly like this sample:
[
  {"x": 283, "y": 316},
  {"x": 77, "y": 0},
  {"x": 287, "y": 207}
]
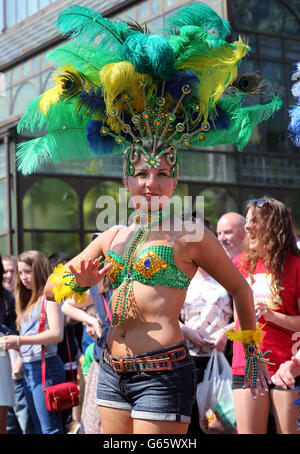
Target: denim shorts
[{"x": 166, "y": 395}]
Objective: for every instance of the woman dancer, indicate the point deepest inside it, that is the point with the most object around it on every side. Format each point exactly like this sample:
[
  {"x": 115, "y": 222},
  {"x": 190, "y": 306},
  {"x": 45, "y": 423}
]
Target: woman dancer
[
  {"x": 271, "y": 264},
  {"x": 147, "y": 379},
  {"x": 146, "y": 95}
]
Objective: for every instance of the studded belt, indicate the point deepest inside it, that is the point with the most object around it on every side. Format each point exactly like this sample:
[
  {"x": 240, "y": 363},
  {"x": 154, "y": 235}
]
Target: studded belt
[{"x": 157, "y": 362}]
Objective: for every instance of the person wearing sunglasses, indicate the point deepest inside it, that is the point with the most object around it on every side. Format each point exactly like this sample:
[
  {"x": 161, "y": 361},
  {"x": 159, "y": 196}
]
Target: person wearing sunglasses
[{"x": 271, "y": 264}]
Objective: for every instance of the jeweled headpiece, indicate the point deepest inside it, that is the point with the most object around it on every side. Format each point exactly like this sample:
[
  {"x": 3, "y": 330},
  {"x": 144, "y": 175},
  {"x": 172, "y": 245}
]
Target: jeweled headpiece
[{"x": 118, "y": 86}]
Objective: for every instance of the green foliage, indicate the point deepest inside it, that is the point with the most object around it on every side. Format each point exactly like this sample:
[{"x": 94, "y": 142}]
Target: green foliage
[{"x": 50, "y": 203}]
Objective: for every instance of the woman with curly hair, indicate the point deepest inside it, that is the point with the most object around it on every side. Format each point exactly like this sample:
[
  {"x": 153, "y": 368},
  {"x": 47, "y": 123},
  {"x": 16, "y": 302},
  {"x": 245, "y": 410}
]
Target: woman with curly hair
[{"x": 271, "y": 264}]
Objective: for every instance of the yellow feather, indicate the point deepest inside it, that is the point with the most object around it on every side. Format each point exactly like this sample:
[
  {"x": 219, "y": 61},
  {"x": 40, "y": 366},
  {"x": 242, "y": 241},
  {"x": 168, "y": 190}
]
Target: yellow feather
[
  {"x": 51, "y": 96},
  {"x": 215, "y": 72},
  {"x": 117, "y": 78},
  {"x": 246, "y": 336},
  {"x": 58, "y": 90}
]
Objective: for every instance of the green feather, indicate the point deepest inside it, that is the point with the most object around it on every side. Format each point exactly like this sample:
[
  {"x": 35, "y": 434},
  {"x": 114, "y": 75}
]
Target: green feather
[
  {"x": 32, "y": 118},
  {"x": 84, "y": 58},
  {"x": 32, "y": 154},
  {"x": 242, "y": 121},
  {"x": 65, "y": 139},
  {"x": 251, "y": 116},
  {"x": 84, "y": 23},
  {"x": 200, "y": 15}
]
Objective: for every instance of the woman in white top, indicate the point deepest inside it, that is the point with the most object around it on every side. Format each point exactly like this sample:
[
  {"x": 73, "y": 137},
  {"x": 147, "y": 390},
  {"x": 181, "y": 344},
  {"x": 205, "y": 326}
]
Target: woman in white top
[{"x": 33, "y": 272}]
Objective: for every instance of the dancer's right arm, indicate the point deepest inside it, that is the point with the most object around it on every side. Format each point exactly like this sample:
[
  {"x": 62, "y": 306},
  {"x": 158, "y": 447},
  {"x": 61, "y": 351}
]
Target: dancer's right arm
[{"x": 84, "y": 265}]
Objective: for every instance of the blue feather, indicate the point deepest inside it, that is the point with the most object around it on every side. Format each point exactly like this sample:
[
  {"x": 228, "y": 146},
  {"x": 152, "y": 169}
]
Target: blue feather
[
  {"x": 174, "y": 85},
  {"x": 98, "y": 143},
  {"x": 93, "y": 100},
  {"x": 221, "y": 121}
]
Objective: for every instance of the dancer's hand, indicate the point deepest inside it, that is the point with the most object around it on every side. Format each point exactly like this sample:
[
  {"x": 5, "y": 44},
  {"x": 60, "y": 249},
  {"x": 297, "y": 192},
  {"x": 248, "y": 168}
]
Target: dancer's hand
[
  {"x": 88, "y": 275},
  {"x": 262, "y": 380}
]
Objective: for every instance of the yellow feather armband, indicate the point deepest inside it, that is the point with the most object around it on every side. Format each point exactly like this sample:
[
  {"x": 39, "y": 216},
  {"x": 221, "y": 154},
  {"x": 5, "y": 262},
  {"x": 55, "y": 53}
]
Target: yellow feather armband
[
  {"x": 66, "y": 285},
  {"x": 246, "y": 336}
]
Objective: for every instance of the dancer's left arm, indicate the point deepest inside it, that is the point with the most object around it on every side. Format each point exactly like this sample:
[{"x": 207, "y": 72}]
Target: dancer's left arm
[{"x": 209, "y": 255}]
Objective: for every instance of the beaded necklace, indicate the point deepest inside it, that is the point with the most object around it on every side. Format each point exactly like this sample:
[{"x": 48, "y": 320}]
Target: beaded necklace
[{"x": 125, "y": 296}]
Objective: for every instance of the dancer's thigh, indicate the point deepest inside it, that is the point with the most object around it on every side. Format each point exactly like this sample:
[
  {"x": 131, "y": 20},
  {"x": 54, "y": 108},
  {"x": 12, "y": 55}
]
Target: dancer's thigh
[
  {"x": 251, "y": 414},
  {"x": 115, "y": 420},
  {"x": 142, "y": 426}
]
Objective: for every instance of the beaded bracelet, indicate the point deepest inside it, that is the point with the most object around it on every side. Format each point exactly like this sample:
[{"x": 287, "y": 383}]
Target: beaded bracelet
[
  {"x": 253, "y": 357},
  {"x": 251, "y": 343},
  {"x": 66, "y": 285}
]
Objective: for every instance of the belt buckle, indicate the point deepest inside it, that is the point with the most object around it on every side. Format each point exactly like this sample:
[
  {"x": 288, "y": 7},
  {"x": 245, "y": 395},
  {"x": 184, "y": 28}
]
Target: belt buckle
[
  {"x": 120, "y": 363},
  {"x": 156, "y": 364}
]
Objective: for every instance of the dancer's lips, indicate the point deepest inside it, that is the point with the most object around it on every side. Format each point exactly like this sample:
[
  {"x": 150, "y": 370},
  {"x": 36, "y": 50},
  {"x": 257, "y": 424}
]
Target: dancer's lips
[{"x": 149, "y": 195}]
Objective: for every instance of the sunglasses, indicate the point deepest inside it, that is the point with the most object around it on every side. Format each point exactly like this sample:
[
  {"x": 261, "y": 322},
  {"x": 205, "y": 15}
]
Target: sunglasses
[{"x": 258, "y": 202}]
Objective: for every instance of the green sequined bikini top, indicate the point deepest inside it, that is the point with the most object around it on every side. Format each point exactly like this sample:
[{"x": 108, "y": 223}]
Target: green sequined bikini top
[{"x": 154, "y": 265}]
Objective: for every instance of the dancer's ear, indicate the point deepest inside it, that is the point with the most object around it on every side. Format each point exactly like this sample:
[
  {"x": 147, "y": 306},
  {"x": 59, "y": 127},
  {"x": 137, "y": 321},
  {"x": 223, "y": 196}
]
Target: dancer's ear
[{"x": 125, "y": 183}]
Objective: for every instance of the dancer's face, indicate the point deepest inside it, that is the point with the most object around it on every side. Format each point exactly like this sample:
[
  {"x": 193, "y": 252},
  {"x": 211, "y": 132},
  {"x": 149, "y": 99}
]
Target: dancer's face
[{"x": 151, "y": 187}]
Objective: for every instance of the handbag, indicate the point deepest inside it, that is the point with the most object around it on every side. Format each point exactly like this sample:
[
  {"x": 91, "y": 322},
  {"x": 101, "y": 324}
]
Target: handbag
[
  {"x": 63, "y": 395},
  {"x": 214, "y": 397}
]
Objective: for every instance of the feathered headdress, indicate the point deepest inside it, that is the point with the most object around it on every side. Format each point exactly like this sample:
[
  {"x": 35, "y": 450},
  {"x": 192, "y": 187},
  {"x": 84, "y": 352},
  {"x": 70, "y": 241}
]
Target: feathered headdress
[
  {"x": 117, "y": 86},
  {"x": 294, "y": 125}
]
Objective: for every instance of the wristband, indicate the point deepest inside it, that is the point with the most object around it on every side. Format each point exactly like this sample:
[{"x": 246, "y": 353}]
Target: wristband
[
  {"x": 251, "y": 343},
  {"x": 66, "y": 285},
  {"x": 246, "y": 336}
]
